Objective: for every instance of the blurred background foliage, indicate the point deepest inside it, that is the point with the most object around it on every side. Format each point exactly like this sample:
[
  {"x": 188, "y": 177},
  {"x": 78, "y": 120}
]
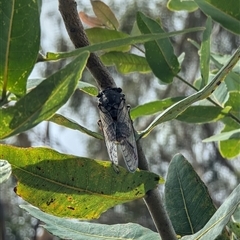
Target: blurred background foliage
[{"x": 219, "y": 174}]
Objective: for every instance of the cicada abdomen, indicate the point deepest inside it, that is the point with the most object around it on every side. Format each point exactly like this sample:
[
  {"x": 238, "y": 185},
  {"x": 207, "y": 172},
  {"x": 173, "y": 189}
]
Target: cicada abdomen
[{"x": 117, "y": 127}]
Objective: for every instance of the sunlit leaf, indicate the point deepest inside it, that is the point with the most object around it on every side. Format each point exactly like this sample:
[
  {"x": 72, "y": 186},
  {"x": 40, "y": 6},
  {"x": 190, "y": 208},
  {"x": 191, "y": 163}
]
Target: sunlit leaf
[
  {"x": 74, "y": 187},
  {"x": 79, "y": 230},
  {"x": 234, "y": 134},
  {"x": 88, "y": 88},
  {"x": 126, "y": 62},
  {"x": 179, "y": 5},
  {"x": 20, "y": 39},
  {"x": 105, "y": 14},
  {"x": 44, "y": 100},
  {"x": 224, "y": 12},
  {"x": 69, "y": 123},
  {"x": 231, "y": 148},
  {"x": 159, "y": 53},
  {"x": 188, "y": 202}
]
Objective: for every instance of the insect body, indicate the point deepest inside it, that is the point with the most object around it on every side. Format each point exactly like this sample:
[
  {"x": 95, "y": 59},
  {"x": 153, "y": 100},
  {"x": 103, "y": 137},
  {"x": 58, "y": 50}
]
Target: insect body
[{"x": 117, "y": 127}]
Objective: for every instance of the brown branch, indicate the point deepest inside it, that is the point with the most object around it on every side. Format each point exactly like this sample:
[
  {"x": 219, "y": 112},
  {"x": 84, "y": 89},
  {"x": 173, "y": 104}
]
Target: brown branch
[
  {"x": 73, "y": 24},
  {"x": 68, "y": 10}
]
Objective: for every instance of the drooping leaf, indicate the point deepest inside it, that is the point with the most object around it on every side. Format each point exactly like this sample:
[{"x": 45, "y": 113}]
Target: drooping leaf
[
  {"x": 159, "y": 53},
  {"x": 224, "y": 12},
  {"x": 98, "y": 35},
  {"x": 69, "y": 123},
  {"x": 79, "y": 230},
  {"x": 153, "y": 107},
  {"x": 118, "y": 43},
  {"x": 204, "y": 52},
  {"x": 5, "y": 170},
  {"x": 105, "y": 14},
  {"x": 187, "y": 200},
  {"x": 219, "y": 220},
  {"x": 20, "y": 39},
  {"x": 43, "y": 101},
  {"x": 179, "y": 5},
  {"x": 70, "y": 186},
  {"x": 126, "y": 62}
]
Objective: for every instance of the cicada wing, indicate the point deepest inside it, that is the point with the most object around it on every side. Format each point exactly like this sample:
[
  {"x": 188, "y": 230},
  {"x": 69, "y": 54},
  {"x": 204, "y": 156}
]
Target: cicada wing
[
  {"x": 127, "y": 141},
  {"x": 109, "y": 132}
]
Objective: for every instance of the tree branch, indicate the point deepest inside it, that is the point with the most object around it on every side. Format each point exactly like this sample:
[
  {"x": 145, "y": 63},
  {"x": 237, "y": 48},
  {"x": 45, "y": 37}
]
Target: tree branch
[
  {"x": 68, "y": 10},
  {"x": 73, "y": 24}
]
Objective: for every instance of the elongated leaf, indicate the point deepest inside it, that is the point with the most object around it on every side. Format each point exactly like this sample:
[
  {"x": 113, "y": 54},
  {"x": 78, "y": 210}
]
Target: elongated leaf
[
  {"x": 119, "y": 42},
  {"x": 234, "y": 134},
  {"x": 188, "y": 202},
  {"x": 74, "y": 187},
  {"x": 202, "y": 114},
  {"x": 220, "y": 219},
  {"x": 204, "y": 52},
  {"x": 78, "y": 230},
  {"x": 5, "y": 170},
  {"x": 98, "y": 35},
  {"x": 105, "y": 14},
  {"x": 177, "y": 108},
  {"x": 69, "y": 123},
  {"x": 224, "y": 12},
  {"x": 126, "y": 62},
  {"x": 153, "y": 107},
  {"x": 159, "y": 53},
  {"x": 88, "y": 88},
  {"x": 179, "y": 5},
  {"x": 43, "y": 101},
  {"x": 231, "y": 148},
  {"x": 19, "y": 44}
]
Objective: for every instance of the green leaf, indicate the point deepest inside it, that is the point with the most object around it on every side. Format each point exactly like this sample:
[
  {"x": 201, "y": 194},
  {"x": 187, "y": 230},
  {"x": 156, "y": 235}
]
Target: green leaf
[
  {"x": 153, "y": 107},
  {"x": 187, "y": 200},
  {"x": 105, "y": 14},
  {"x": 78, "y": 230},
  {"x": 204, "y": 52},
  {"x": 98, "y": 35},
  {"x": 177, "y": 108},
  {"x": 5, "y": 170},
  {"x": 234, "y": 134},
  {"x": 19, "y": 43},
  {"x": 231, "y": 148},
  {"x": 126, "y": 62},
  {"x": 88, "y": 88},
  {"x": 179, "y": 5},
  {"x": 43, "y": 101},
  {"x": 202, "y": 114},
  {"x": 159, "y": 53},
  {"x": 74, "y": 187},
  {"x": 69, "y": 123},
  {"x": 224, "y": 12},
  {"x": 219, "y": 220},
  {"x": 118, "y": 43}
]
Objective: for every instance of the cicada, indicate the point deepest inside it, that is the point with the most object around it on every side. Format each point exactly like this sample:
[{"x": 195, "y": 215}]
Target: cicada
[{"x": 117, "y": 128}]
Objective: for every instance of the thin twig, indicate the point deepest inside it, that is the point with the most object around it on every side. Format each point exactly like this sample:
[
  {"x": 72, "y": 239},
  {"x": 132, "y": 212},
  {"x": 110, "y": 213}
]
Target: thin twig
[{"x": 76, "y": 33}]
